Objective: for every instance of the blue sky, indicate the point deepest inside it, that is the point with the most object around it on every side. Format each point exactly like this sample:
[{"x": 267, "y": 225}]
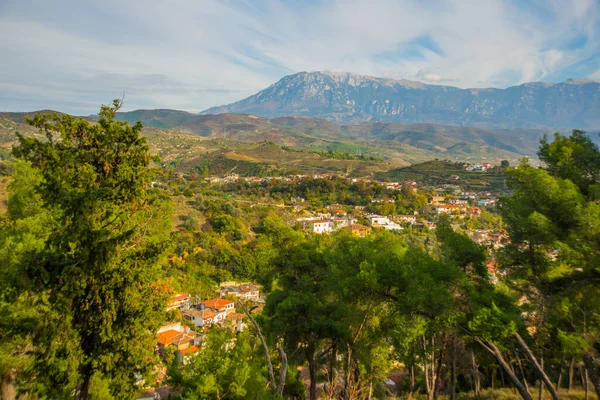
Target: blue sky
[{"x": 73, "y": 55}]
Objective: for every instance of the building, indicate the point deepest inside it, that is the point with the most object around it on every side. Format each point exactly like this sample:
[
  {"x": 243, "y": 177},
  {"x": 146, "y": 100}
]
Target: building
[
  {"x": 180, "y": 301},
  {"x": 246, "y": 291},
  {"x": 359, "y": 230},
  {"x": 446, "y": 208},
  {"x": 436, "y": 200},
  {"x": 375, "y": 219},
  {"x": 410, "y": 218},
  {"x": 202, "y": 318},
  {"x": 383, "y": 222},
  {"x": 179, "y": 339},
  {"x": 250, "y": 291},
  {"x": 320, "y": 226},
  {"x": 218, "y": 305}
]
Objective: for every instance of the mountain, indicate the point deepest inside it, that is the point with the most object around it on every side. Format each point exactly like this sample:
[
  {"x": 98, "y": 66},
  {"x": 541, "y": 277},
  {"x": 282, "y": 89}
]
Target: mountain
[
  {"x": 391, "y": 142},
  {"x": 351, "y": 98}
]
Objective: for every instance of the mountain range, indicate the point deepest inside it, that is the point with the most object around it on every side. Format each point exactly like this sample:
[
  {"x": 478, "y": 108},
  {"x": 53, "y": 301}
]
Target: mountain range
[
  {"x": 402, "y": 143},
  {"x": 352, "y": 98}
]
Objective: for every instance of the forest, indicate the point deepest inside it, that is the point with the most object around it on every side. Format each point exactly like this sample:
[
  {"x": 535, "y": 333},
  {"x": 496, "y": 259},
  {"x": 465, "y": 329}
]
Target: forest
[{"x": 89, "y": 258}]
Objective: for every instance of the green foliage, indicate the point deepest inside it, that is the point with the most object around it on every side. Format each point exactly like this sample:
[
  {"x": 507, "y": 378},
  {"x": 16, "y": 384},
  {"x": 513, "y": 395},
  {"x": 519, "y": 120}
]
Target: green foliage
[
  {"x": 226, "y": 368},
  {"x": 575, "y": 158},
  {"x": 92, "y": 277},
  {"x": 492, "y": 324}
]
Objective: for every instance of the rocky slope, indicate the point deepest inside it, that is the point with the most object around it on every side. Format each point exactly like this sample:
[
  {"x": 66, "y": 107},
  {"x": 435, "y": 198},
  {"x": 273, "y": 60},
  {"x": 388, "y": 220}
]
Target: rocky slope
[{"x": 351, "y": 98}]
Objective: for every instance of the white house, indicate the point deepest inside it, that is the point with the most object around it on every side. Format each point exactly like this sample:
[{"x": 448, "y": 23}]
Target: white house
[
  {"x": 320, "y": 226},
  {"x": 203, "y": 317}
]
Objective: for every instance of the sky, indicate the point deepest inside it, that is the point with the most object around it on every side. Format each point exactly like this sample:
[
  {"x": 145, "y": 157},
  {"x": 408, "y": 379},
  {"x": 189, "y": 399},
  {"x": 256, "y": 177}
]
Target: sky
[{"x": 73, "y": 55}]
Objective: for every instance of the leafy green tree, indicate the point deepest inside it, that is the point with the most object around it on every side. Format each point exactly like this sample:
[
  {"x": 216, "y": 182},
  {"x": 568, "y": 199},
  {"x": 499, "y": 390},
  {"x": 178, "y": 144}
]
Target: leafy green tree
[
  {"x": 552, "y": 258},
  {"x": 225, "y": 369},
  {"x": 575, "y": 158},
  {"x": 93, "y": 279}
]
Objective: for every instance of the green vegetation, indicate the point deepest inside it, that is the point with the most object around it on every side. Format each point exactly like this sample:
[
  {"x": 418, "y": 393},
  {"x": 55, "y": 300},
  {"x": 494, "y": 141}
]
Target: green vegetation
[
  {"x": 439, "y": 171},
  {"x": 89, "y": 258}
]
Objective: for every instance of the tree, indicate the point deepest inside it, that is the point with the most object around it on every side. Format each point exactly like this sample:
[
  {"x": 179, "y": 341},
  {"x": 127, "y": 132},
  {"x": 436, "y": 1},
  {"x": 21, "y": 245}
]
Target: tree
[
  {"x": 575, "y": 158},
  {"x": 554, "y": 226},
  {"x": 225, "y": 369},
  {"x": 94, "y": 278}
]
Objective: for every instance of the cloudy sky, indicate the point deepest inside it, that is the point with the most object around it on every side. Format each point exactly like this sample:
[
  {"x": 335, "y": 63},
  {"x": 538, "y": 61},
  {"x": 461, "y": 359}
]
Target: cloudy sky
[{"x": 72, "y": 55}]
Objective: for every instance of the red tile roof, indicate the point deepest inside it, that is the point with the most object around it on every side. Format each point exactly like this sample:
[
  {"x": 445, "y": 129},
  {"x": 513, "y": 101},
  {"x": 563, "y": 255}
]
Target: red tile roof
[
  {"x": 204, "y": 314},
  {"x": 168, "y": 337},
  {"x": 179, "y": 297},
  {"x": 190, "y": 350},
  {"x": 216, "y": 303}
]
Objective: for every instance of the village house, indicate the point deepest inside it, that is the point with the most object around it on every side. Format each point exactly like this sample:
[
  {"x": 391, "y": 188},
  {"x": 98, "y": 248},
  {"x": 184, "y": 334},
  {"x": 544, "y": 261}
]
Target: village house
[
  {"x": 410, "y": 218},
  {"x": 180, "y": 301},
  {"x": 218, "y": 305},
  {"x": 436, "y": 200},
  {"x": 343, "y": 222},
  {"x": 237, "y": 321},
  {"x": 246, "y": 291},
  {"x": 179, "y": 339},
  {"x": 359, "y": 230},
  {"x": 202, "y": 318},
  {"x": 320, "y": 226},
  {"x": 446, "y": 208},
  {"x": 383, "y": 222},
  {"x": 458, "y": 201}
]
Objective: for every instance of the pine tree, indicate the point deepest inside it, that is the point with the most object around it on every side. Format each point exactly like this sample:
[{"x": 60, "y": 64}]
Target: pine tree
[{"x": 94, "y": 279}]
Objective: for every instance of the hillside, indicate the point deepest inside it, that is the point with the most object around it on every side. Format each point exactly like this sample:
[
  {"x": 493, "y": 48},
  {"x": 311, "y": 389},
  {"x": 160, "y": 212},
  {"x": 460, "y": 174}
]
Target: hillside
[
  {"x": 351, "y": 98},
  {"x": 437, "y": 172}
]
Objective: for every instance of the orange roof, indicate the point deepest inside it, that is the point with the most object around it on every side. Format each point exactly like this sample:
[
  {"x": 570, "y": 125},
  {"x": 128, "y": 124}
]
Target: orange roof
[
  {"x": 189, "y": 350},
  {"x": 216, "y": 303},
  {"x": 204, "y": 314},
  {"x": 167, "y": 337},
  {"x": 235, "y": 316},
  {"x": 179, "y": 297}
]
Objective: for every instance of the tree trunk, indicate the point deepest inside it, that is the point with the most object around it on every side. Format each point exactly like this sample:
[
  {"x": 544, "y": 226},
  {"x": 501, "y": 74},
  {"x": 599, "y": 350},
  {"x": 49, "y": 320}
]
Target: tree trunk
[
  {"x": 586, "y": 385},
  {"x": 9, "y": 391},
  {"x": 429, "y": 370},
  {"x": 493, "y": 349},
  {"x": 438, "y": 370},
  {"x": 345, "y": 391},
  {"x": 537, "y": 368},
  {"x": 541, "y": 393},
  {"x": 560, "y": 375},
  {"x": 476, "y": 377},
  {"x": 522, "y": 373},
  {"x": 312, "y": 370},
  {"x": 571, "y": 374},
  {"x": 82, "y": 392},
  {"x": 453, "y": 371},
  {"x": 412, "y": 378},
  {"x": 264, "y": 344},
  {"x": 283, "y": 372},
  {"x": 590, "y": 368}
]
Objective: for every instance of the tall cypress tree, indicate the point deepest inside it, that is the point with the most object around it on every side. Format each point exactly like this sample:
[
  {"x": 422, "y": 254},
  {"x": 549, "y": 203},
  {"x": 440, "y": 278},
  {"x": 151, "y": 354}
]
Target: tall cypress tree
[{"x": 98, "y": 271}]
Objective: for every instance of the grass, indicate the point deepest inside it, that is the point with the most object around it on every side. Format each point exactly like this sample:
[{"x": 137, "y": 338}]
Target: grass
[{"x": 510, "y": 394}]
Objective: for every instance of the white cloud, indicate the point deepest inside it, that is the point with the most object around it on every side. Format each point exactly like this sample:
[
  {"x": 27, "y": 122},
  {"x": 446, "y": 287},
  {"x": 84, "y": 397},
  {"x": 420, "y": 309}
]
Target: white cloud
[{"x": 195, "y": 54}]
